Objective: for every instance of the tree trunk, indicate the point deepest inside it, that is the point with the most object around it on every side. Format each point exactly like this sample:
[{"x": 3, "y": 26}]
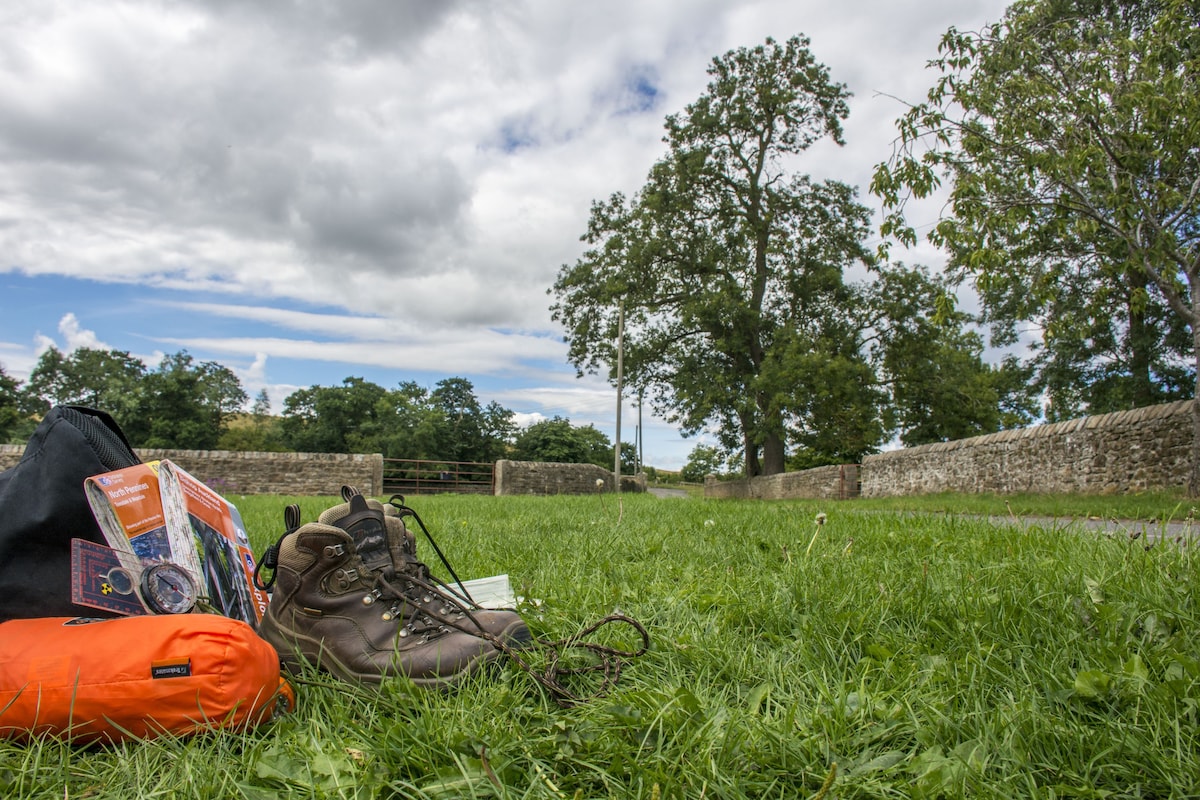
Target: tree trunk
[
  {"x": 1141, "y": 340},
  {"x": 751, "y": 466},
  {"x": 1193, "y": 484},
  {"x": 751, "y": 457},
  {"x": 773, "y": 438},
  {"x": 773, "y": 455}
]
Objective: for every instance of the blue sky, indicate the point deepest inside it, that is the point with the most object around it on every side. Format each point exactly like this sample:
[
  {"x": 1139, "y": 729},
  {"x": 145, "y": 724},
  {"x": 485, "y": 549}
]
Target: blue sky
[{"x": 382, "y": 189}]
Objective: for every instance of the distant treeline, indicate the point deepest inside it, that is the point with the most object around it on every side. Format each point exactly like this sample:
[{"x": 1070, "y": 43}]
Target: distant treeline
[{"x": 201, "y": 405}]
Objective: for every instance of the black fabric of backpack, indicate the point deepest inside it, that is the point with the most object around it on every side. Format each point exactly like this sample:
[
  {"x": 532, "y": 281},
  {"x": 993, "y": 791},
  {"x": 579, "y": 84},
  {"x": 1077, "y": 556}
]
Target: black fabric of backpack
[{"x": 43, "y": 507}]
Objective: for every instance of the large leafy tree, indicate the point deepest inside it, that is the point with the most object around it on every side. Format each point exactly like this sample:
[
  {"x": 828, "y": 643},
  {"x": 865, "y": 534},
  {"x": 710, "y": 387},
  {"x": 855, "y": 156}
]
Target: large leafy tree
[
  {"x": 184, "y": 404},
  {"x": 410, "y": 426},
  {"x": 10, "y": 407},
  {"x": 336, "y": 419},
  {"x": 109, "y": 380},
  {"x": 930, "y": 362},
  {"x": 360, "y": 416},
  {"x": 469, "y": 431},
  {"x": 1068, "y": 135},
  {"x": 836, "y": 410},
  {"x": 726, "y": 257},
  {"x": 1110, "y": 343},
  {"x": 557, "y": 440}
]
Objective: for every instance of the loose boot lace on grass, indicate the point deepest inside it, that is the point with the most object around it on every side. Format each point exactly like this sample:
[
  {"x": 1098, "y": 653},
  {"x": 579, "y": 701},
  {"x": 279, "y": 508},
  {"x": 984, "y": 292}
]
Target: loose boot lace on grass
[{"x": 567, "y": 664}]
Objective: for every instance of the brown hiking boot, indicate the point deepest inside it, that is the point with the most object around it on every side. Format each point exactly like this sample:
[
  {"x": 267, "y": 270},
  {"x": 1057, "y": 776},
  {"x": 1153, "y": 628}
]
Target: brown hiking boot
[
  {"x": 385, "y": 542},
  {"x": 333, "y": 608}
]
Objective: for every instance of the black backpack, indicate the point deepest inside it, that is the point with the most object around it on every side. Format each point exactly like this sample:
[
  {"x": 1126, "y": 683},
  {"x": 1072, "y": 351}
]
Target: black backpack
[{"x": 43, "y": 507}]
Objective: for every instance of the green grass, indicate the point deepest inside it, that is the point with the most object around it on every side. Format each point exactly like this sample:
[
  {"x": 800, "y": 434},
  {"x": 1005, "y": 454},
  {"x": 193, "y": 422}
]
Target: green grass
[
  {"x": 925, "y": 655},
  {"x": 1157, "y": 506}
]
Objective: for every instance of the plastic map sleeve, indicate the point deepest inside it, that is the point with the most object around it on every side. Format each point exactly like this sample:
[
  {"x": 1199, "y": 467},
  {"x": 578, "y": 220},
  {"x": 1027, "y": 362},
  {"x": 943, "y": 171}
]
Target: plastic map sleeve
[{"x": 219, "y": 536}]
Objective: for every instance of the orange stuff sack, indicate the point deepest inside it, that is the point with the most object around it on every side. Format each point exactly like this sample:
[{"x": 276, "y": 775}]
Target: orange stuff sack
[{"x": 107, "y": 680}]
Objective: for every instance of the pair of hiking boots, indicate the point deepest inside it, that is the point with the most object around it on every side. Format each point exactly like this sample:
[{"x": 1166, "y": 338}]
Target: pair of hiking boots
[{"x": 351, "y": 597}]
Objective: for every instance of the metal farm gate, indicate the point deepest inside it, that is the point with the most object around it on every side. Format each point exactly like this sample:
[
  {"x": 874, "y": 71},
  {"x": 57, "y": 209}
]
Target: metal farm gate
[{"x": 422, "y": 476}]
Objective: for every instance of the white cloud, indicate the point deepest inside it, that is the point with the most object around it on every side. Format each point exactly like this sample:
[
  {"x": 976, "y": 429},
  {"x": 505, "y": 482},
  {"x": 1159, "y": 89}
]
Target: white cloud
[
  {"x": 524, "y": 419},
  {"x": 426, "y": 168},
  {"x": 319, "y": 157},
  {"x": 486, "y": 353},
  {"x": 258, "y": 369},
  {"x": 75, "y": 336},
  {"x": 16, "y": 360},
  {"x": 580, "y": 404}
]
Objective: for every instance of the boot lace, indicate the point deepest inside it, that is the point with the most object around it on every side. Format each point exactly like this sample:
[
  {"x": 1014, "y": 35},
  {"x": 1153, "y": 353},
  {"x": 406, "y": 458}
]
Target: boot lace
[
  {"x": 425, "y": 606},
  {"x": 566, "y": 659}
]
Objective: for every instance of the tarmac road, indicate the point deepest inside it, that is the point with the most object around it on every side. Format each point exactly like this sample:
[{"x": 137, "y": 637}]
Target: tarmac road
[{"x": 1150, "y": 530}]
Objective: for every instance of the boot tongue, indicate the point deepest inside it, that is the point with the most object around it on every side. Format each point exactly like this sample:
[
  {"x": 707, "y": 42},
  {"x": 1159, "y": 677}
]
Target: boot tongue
[{"x": 366, "y": 527}]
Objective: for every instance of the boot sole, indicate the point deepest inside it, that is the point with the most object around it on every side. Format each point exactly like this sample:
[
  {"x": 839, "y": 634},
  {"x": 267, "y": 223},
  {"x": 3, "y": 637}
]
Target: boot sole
[{"x": 302, "y": 651}]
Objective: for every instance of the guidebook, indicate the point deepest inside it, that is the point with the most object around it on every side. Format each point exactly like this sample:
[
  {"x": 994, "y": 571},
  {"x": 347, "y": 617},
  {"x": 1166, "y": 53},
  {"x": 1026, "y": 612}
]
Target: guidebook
[
  {"x": 220, "y": 539},
  {"x": 129, "y": 506},
  {"x": 158, "y": 513}
]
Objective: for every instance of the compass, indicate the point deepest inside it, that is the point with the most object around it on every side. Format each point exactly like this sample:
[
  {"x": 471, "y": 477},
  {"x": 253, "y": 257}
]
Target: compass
[{"x": 168, "y": 589}]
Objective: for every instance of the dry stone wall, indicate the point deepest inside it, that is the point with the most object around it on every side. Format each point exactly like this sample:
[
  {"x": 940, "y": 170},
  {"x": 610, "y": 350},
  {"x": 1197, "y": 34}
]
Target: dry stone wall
[
  {"x": 822, "y": 483},
  {"x": 1127, "y": 451},
  {"x": 231, "y": 472},
  {"x": 305, "y": 474},
  {"x": 544, "y": 477},
  {"x": 10, "y": 454}
]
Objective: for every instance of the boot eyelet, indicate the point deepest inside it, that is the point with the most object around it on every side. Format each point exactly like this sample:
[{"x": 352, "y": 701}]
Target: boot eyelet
[{"x": 368, "y": 600}]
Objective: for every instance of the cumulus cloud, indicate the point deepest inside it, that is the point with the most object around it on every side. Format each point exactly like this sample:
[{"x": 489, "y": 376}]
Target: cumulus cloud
[
  {"x": 236, "y": 145},
  {"x": 74, "y": 336},
  {"x": 421, "y": 169}
]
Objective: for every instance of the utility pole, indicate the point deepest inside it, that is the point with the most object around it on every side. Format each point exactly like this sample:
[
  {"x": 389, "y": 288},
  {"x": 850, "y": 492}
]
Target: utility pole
[
  {"x": 620, "y": 378},
  {"x": 641, "y": 453}
]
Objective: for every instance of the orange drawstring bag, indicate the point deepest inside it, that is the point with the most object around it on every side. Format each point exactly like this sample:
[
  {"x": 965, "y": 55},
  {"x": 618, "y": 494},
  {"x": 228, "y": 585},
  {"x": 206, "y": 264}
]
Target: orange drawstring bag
[{"x": 107, "y": 680}]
